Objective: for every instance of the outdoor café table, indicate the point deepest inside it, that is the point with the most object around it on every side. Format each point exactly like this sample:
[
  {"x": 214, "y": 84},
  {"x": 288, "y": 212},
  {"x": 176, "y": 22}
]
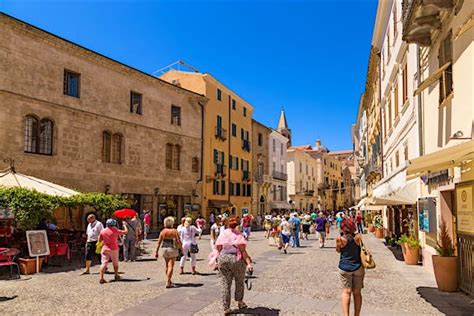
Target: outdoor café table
[{"x": 59, "y": 249}]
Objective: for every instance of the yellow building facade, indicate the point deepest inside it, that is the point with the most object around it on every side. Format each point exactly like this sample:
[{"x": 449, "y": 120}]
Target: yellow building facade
[{"x": 227, "y": 147}]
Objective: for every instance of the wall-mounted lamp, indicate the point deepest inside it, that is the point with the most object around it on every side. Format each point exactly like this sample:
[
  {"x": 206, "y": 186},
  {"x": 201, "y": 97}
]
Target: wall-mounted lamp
[
  {"x": 157, "y": 191},
  {"x": 107, "y": 189},
  {"x": 459, "y": 135}
]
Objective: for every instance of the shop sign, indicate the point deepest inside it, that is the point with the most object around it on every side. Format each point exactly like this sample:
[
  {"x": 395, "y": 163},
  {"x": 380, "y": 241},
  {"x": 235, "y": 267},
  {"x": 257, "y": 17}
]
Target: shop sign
[
  {"x": 427, "y": 214},
  {"x": 465, "y": 208},
  {"x": 6, "y": 213}
]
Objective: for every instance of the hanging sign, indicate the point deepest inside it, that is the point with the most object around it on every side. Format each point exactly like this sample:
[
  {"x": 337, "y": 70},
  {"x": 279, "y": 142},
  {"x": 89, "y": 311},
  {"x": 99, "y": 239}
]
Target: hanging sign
[{"x": 465, "y": 208}]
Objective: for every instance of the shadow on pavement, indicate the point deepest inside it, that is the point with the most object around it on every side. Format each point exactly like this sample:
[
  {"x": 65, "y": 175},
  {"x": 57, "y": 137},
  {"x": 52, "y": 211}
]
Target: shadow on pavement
[
  {"x": 256, "y": 311},
  {"x": 397, "y": 252},
  {"x": 455, "y": 303},
  {"x": 178, "y": 285},
  {"x": 130, "y": 280},
  {"x": 7, "y": 298}
]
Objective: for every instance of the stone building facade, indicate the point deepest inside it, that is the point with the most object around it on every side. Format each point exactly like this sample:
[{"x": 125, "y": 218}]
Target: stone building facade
[
  {"x": 261, "y": 168},
  {"x": 227, "y": 163},
  {"x": 82, "y": 120}
]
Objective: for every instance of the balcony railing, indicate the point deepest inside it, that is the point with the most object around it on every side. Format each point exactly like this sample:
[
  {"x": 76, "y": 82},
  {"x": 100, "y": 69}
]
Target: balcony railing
[
  {"x": 221, "y": 133},
  {"x": 279, "y": 175},
  {"x": 245, "y": 145}
]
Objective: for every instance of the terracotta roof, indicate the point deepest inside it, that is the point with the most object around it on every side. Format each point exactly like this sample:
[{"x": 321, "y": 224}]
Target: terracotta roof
[
  {"x": 341, "y": 152},
  {"x": 301, "y": 147}
]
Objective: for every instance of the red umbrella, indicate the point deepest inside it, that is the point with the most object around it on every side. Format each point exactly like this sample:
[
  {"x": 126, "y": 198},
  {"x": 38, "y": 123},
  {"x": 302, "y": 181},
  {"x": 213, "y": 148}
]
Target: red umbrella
[{"x": 125, "y": 212}]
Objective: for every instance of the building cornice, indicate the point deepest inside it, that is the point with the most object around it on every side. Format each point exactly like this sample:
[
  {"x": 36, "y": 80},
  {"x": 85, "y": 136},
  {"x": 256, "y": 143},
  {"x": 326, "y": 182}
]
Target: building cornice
[{"x": 79, "y": 51}]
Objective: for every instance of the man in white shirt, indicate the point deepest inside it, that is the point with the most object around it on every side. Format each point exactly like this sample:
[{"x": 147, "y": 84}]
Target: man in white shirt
[{"x": 93, "y": 230}]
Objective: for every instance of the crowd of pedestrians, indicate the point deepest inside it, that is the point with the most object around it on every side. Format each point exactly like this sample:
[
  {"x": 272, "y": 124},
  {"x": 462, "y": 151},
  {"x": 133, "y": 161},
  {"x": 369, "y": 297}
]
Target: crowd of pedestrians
[{"x": 229, "y": 238}]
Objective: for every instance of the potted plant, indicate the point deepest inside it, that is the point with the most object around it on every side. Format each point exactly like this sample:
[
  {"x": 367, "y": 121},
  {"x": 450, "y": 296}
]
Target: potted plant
[
  {"x": 378, "y": 224},
  {"x": 445, "y": 264},
  {"x": 28, "y": 265},
  {"x": 410, "y": 248},
  {"x": 371, "y": 228}
]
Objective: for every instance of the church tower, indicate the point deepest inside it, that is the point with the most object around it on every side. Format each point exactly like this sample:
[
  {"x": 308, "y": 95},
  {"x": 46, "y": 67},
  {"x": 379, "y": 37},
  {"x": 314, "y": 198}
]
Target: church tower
[{"x": 283, "y": 127}]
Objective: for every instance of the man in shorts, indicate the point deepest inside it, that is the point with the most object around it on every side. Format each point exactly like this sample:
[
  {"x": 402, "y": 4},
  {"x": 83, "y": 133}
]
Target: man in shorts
[{"x": 321, "y": 228}]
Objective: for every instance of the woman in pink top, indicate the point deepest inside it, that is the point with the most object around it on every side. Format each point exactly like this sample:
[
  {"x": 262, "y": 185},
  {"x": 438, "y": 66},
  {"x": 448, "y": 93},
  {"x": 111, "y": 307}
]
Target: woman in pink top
[
  {"x": 232, "y": 259},
  {"x": 110, "y": 248}
]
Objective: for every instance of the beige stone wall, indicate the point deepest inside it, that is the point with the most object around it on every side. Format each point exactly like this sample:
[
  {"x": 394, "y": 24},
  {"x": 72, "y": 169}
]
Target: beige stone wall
[{"x": 32, "y": 65}]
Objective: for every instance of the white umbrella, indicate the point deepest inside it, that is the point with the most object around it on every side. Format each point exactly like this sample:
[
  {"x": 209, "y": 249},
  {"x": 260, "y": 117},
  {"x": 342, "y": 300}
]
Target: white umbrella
[{"x": 11, "y": 179}]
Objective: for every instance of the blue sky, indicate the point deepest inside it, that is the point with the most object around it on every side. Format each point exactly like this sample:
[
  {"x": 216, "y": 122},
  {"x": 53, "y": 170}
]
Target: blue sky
[{"x": 308, "y": 56}]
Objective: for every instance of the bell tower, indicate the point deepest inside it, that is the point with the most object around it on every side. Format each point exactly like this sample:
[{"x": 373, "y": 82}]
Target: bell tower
[{"x": 283, "y": 127}]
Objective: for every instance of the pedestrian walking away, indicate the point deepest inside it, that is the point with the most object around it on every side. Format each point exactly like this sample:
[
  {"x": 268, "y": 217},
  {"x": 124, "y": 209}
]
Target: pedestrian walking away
[
  {"x": 306, "y": 224},
  {"x": 93, "y": 230},
  {"x": 285, "y": 234},
  {"x": 360, "y": 229},
  {"x": 146, "y": 224},
  {"x": 247, "y": 225},
  {"x": 215, "y": 231},
  {"x": 233, "y": 259},
  {"x": 188, "y": 234},
  {"x": 295, "y": 221},
  {"x": 200, "y": 223},
  {"x": 351, "y": 270},
  {"x": 170, "y": 243},
  {"x": 110, "y": 248},
  {"x": 130, "y": 240},
  {"x": 321, "y": 222}
]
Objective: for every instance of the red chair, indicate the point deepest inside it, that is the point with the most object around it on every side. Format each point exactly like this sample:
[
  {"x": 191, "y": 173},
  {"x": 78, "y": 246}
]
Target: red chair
[{"x": 7, "y": 258}]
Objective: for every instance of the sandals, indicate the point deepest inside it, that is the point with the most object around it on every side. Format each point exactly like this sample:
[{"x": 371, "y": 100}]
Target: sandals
[
  {"x": 242, "y": 305},
  {"x": 102, "y": 281}
]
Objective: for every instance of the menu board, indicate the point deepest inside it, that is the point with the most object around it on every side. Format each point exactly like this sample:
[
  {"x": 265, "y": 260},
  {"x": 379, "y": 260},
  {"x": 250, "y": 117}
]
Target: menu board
[
  {"x": 465, "y": 208},
  {"x": 37, "y": 243}
]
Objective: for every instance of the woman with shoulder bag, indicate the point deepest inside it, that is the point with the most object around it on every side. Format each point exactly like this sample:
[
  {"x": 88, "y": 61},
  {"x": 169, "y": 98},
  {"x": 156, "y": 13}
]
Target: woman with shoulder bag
[
  {"x": 170, "y": 244},
  {"x": 233, "y": 260},
  {"x": 351, "y": 269},
  {"x": 188, "y": 238}
]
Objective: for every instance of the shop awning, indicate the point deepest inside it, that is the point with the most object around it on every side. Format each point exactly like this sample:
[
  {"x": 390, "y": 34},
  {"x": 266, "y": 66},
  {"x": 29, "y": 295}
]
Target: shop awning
[
  {"x": 431, "y": 79},
  {"x": 442, "y": 159},
  {"x": 280, "y": 205},
  {"x": 219, "y": 203},
  {"x": 405, "y": 195}
]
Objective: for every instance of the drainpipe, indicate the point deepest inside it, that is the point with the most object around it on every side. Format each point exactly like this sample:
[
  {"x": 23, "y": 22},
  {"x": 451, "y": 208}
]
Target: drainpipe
[
  {"x": 420, "y": 108},
  {"x": 228, "y": 152}
]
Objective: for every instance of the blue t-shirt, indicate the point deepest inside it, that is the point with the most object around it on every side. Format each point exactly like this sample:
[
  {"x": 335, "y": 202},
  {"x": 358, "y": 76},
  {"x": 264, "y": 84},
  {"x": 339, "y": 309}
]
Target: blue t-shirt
[{"x": 296, "y": 222}]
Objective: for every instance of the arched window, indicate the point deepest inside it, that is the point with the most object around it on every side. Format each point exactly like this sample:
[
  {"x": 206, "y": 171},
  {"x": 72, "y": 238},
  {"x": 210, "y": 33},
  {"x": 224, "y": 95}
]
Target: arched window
[
  {"x": 106, "y": 146},
  {"x": 45, "y": 137},
  {"x": 31, "y": 134},
  {"x": 38, "y": 136},
  {"x": 116, "y": 155},
  {"x": 176, "y": 157},
  {"x": 169, "y": 156}
]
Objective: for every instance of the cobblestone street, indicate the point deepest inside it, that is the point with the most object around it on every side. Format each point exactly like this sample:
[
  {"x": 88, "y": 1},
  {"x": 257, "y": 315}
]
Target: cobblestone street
[{"x": 305, "y": 281}]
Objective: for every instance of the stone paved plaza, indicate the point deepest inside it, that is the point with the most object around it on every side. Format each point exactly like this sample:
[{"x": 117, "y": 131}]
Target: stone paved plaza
[{"x": 303, "y": 282}]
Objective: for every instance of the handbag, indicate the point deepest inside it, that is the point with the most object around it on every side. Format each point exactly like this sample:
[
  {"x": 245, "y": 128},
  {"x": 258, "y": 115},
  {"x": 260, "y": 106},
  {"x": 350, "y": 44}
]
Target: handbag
[
  {"x": 194, "y": 248},
  {"x": 366, "y": 256},
  {"x": 98, "y": 247}
]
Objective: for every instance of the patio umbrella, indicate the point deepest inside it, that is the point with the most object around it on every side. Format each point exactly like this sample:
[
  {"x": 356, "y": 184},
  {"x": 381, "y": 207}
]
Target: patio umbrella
[
  {"x": 11, "y": 179},
  {"x": 125, "y": 212}
]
